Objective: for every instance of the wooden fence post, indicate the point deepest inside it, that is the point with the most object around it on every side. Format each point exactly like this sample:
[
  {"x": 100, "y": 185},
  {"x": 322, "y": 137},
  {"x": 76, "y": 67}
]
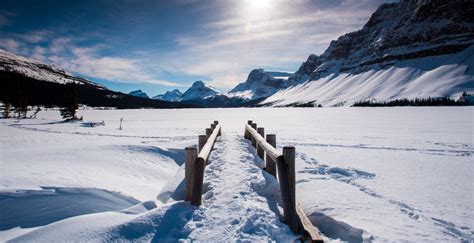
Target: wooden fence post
[
  {"x": 286, "y": 173},
  {"x": 254, "y": 141},
  {"x": 190, "y": 155},
  {"x": 270, "y": 165},
  {"x": 208, "y": 132},
  {"x": 260, "y": 151},
  {"x": 198, "y": 180},
  {"x": 215, "y": 123},
  {"x": 246, "y": 133},
  {"x": 202, "y": 139}
]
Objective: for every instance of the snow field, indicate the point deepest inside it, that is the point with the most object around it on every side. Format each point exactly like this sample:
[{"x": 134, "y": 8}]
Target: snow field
[{"x": 383, "y": 174}]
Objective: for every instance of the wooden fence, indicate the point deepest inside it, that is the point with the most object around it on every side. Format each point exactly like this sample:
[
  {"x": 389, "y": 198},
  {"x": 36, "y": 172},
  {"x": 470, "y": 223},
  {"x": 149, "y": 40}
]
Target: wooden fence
[
  {"x": 195, "y": 163},
  {"x": 284, "y": 162}
]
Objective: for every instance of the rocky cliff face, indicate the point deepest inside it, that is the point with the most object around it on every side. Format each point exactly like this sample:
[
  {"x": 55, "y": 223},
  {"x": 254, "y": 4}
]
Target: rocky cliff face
[
  {"x": 259, "y": 84},
  {"x": 400, "y": 31}
]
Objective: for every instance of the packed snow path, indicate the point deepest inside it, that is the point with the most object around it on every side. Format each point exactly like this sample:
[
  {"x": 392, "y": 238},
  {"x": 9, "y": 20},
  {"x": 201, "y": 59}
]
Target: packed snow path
[{"x": 240, "y": 200}]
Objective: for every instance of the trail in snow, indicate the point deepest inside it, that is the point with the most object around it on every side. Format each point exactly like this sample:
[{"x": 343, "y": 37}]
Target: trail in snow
[
  {"x": 241, "y": 200},
  {"x": 351, "y": 175},
  {"x": 465, "y": 150}
]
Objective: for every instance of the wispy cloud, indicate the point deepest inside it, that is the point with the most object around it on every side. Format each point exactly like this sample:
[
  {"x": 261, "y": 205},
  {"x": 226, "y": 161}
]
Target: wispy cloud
[
  {"x": 229, "y": 47},
  {"x": 35, "y": 36},
  {"x": 9, "y": 44},
  {"x": 167, "y": 42},
  {"x": 5, "y": 17},
  {"x": 83, "y": 60},
  {"x": 86, "y": 61}
]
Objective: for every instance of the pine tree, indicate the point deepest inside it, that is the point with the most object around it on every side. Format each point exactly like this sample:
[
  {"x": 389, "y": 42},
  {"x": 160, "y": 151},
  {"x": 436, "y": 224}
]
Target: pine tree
[
  {"x": 23, "y": 108},
  {"x": 6, "y": 107},
  {"x": 68, "y": 112}
]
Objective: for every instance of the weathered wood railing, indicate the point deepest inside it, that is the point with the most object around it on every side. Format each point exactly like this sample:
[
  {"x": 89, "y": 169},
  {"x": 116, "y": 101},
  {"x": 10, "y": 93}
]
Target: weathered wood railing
[
  {"x": 195, "y": 163},
  {"x": 284, "y": 162}
]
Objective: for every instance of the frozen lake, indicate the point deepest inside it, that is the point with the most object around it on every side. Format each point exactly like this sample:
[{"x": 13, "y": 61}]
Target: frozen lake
[{"x": 402, "y": 173}]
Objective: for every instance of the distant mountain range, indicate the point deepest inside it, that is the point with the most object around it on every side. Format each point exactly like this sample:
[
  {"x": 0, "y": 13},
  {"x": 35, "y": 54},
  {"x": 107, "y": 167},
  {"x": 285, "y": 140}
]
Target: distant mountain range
[
  {"x": 43, "y": 84},
  {"x": 407, "y": 50}
]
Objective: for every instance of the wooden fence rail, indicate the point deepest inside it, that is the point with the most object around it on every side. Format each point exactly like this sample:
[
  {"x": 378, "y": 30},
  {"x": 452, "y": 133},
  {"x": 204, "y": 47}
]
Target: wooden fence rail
[
  {"x": 284, "y": 162},
  {"x": 195, "y": 163}
]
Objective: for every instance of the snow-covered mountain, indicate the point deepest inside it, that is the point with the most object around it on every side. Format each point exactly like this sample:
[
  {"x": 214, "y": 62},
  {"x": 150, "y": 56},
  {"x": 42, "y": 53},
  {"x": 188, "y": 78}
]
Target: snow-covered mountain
[
  {"x": 413, "y": 48},
  {"x": 44, "y": 84},
  {"x": 259, "y": 84},
  {"x": 174, "y": 95},
  {"x": 199, "y": 91},
  {"x": 139, "y": 93},
  {"x": 37, "y": 70}
]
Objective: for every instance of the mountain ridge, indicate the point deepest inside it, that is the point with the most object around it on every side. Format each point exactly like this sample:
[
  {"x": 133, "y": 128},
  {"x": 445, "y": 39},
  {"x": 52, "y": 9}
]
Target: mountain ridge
[{"x": 397, "y": 35}]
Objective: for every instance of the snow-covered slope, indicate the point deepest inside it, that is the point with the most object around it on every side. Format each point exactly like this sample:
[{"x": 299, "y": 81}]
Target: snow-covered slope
[
  {"x": 440, "y": 76},
  {"x": 199, "y": 91},
  {"x": 38, "y": 70},
  {"x": 259, "y": 84},
  {"x": 174, "y": 95},
  {"x": 139, "y": 93},
  {"x": 403, "y": 38}
]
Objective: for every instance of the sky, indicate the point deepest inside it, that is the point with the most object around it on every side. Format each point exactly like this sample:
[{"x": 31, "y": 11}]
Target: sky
[{"x": 157, "y": 46}]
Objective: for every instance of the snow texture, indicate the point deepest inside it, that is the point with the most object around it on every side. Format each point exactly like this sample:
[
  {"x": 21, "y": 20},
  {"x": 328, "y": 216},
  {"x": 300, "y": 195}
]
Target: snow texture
[{"x": 363, "y": 174}]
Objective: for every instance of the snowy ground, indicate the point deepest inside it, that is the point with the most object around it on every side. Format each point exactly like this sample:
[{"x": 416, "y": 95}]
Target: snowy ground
[{"x": 362, "y": 173}]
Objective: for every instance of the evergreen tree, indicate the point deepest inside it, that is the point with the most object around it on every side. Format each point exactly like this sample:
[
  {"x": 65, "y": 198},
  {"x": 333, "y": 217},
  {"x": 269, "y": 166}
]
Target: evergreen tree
[
  {"x": 23, "y": 108},
  {"x": 68, "y": 112},
  {"x": 6, "y": 108}
]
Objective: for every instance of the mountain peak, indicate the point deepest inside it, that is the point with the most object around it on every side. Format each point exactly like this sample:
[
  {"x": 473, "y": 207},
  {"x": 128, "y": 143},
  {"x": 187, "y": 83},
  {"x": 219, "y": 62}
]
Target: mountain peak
[
  {"x": 199, "y": 91},
  {"x": 259, "y": 84},
  {"x": 198, "y": 83},
  {"x": 174, "y": 95},
  {"x": 139, "y": 93}
]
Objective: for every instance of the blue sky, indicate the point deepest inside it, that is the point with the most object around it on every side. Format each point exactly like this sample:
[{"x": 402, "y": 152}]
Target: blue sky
[{"x": 161, "y": 45}]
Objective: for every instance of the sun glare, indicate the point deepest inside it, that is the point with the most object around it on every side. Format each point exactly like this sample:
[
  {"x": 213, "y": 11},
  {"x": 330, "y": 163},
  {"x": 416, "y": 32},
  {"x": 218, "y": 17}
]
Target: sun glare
[
  {"x": 258, "y": 4},
  {"x": 258, "y": 9}
]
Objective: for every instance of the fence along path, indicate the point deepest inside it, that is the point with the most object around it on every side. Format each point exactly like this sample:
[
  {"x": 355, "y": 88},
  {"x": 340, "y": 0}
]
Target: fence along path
[
  {"x": 284, "y": 162},
  {"x": 195, "y": 163}
]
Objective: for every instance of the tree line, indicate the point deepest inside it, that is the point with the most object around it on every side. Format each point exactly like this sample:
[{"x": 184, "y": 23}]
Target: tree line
[
  {"x": 441, "y": 101},
  {"x": 16, "y": 105}
]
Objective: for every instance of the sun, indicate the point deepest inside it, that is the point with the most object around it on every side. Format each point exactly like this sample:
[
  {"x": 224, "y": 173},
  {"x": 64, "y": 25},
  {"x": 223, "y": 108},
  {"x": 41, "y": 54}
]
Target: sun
[
  {"x": 258, "y": 4},
  {"x": 258, "y": 9}
]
